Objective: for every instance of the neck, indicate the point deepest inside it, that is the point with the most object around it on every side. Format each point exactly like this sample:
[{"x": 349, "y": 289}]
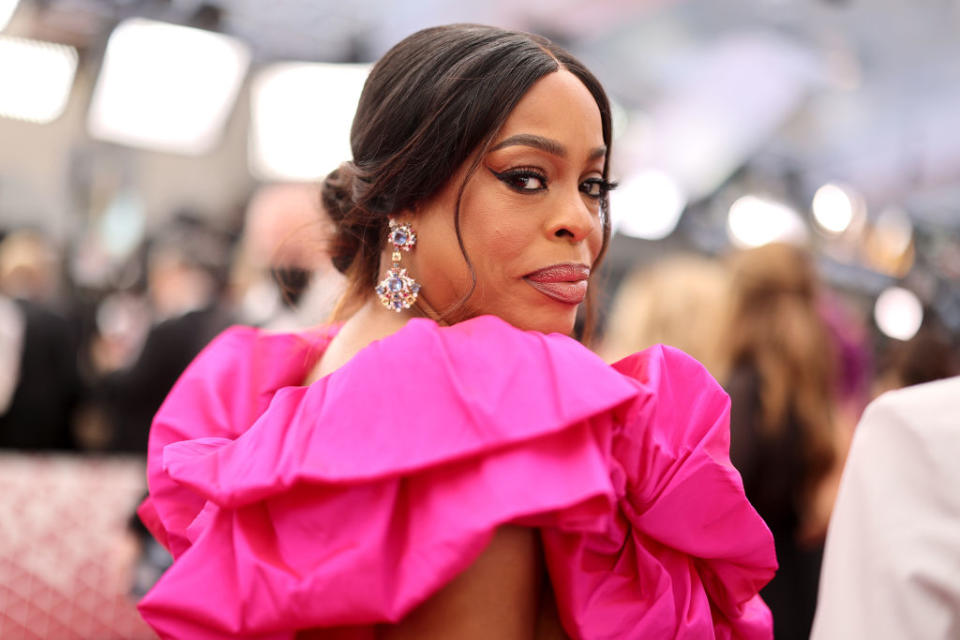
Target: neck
[
  {"x": 370, "y": 322},
  {"x": 373, "y": 321},
  {"x": 372, "y": 318}
]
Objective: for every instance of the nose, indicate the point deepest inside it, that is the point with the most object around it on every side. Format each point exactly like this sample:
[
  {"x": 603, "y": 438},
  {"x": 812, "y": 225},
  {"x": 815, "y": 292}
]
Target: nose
[{"x": 573, "y": 218}]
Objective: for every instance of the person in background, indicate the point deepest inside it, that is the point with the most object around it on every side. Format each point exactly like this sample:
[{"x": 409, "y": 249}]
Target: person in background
[
  {"x": 931, "y": 354},
  {"x": 186, "y": 268},
  {"x": 779, "y": 366},
  {"x": 40, "y": 385},
  {"x": 678, "y": 301},
  {"x": 281, "y": 276},
  {"x": 891, "y": 566}
]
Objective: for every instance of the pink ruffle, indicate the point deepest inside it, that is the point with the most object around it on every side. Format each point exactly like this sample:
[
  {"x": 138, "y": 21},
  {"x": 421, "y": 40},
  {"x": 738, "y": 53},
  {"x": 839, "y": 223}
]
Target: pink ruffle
[
  {"x": 348, "y": 502},
  {"x": 684, "y": 548}
]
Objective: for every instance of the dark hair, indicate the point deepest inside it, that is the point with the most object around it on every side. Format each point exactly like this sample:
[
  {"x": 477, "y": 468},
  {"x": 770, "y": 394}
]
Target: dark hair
[{"x": 431, "y": 101}]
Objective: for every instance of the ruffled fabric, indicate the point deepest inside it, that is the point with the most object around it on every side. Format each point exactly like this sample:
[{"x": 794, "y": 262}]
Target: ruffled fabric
[{"x": 346, "y": 503}]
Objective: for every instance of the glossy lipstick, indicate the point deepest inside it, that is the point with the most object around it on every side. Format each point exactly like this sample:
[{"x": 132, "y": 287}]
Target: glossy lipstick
[{"x": 565, "y": 283}]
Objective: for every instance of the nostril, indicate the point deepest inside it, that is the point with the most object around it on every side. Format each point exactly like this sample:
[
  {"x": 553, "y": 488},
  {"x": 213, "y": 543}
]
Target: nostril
[{"x": 564, "y": 233}]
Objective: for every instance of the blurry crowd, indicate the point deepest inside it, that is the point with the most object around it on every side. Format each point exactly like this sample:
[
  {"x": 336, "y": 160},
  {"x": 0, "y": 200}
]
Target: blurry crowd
[
  {"x": 89, "y": 346},
  {"x": 84, "y": 366},
  {"x": 800, "y": 363}
]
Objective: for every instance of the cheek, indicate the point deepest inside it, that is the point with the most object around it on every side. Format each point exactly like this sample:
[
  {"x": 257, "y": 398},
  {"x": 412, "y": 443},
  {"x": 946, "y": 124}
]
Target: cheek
[
  {"x": 596, "y": 241},
  {"x": 444, "y": 261},
  {"x": 496, "y": 242},
  {"x": 436, "y": 260}
]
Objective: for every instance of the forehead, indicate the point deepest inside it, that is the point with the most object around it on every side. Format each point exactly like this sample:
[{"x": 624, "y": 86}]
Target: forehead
[{"x": 557, "y": 106}]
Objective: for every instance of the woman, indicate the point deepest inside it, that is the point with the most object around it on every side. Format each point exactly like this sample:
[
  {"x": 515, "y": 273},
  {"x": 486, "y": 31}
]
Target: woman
[
  {"x": 440, "y": 466},
  {"x": 780, "y": 360}
]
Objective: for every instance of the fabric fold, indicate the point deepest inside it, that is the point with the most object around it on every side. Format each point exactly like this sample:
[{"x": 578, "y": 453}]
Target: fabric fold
[
  {"x": 686, "y": 547},
  {"x": 347, "y": 502},
  {"x": 431, "y": 390}
]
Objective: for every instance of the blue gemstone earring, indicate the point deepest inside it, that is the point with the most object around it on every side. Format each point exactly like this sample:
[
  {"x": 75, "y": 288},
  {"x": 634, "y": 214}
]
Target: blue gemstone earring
[{"x": 397, "y": 290}]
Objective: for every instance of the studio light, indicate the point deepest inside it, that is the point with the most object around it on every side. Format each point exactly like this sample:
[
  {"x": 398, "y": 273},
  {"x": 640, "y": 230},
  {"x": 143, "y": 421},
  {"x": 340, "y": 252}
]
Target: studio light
[
  {"x": 7, "y": 7},
  {"x": 166, "y": 87},
  {"x": 35, "y": 79},
  {"x": 300, "y": 118}
]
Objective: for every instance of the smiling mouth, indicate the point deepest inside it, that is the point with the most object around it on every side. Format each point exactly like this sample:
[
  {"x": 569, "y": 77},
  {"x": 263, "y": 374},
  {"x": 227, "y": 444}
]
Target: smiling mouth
[{"x": 566, "y": 283}]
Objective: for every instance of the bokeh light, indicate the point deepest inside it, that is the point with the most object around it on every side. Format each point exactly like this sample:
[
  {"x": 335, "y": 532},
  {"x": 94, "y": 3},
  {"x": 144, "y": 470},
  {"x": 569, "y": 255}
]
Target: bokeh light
[
  {"x": 647, "y": 206},
  {"x": 898, "y": 313},
  {"x": 834, "y": 207},
  {"x": 889, "y": 243},
  {"x": 754, "y": 221},
  {"x": 894, "y": 225}
]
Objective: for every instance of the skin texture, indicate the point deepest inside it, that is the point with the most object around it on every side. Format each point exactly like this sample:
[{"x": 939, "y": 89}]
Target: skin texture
[
  {"x": 520, "y": 223},
  {"x": 539, "y": 212},
  {"x": 472, "y": 606}
]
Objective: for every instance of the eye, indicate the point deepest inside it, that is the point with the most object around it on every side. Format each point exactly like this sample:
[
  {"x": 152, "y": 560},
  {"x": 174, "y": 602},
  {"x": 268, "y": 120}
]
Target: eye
[
  {"x": 523, "y": 180},
  {"x": 596, "y": 188}
]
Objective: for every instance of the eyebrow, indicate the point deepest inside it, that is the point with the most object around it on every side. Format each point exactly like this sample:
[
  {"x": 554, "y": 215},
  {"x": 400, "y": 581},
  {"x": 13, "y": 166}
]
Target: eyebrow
[{"x": 544, "y": 144}]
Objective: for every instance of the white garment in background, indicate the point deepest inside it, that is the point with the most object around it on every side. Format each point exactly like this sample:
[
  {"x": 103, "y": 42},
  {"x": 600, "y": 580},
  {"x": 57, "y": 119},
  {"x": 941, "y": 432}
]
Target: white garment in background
[
  {"x": 12, "y": 327},
  {"x": 891, "y": 566}
]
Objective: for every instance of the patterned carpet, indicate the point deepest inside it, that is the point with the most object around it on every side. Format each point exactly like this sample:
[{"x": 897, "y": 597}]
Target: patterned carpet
[{"x": 67, "y": 558}]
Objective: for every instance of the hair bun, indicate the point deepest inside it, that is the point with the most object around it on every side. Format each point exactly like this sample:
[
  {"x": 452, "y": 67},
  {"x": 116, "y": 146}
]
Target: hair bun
[
  {"x": 339, "y": 197},
  {"x": 337, "y": 193}
]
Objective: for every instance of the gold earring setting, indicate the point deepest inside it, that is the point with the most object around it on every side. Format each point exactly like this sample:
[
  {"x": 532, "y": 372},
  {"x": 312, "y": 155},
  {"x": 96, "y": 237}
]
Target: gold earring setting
[{"x": 398, "y": 291}]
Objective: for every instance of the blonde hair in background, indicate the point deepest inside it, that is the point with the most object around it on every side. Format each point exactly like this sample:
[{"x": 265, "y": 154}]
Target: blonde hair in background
[
  {"x": 678, "y": 301},
  {"x": 28, "y": 265}
]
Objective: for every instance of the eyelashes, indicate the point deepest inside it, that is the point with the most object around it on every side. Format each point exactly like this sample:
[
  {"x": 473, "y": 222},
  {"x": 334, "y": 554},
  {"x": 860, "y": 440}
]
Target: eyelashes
[
  {"x": 521, "y": 179},
  {"x": 532, "y": 180},
  {"x": 597, "y": 187}
]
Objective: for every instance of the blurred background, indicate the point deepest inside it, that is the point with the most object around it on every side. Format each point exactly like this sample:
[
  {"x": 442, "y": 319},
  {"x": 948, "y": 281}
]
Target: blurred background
[{"x": 788, "y": 213}]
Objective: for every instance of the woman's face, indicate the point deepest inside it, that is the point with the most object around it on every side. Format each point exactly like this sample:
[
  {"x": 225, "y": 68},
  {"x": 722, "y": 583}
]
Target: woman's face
[{"x": 530, "y": 215}]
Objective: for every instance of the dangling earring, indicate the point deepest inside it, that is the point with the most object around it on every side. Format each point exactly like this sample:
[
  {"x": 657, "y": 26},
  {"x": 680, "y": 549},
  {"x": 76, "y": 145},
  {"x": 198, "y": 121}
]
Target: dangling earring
[{"x": 397, "y": 290}]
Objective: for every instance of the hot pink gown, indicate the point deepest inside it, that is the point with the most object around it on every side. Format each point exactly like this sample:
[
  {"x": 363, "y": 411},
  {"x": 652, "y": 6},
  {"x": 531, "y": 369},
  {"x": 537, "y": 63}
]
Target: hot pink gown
[{"x": 347, "y": 502}]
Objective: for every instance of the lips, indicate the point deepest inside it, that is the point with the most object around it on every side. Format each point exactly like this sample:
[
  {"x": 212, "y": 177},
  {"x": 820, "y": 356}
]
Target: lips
[{"x": 566, "y": 283}]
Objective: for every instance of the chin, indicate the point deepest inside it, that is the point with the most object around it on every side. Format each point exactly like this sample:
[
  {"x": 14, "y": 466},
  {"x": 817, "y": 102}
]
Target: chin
[{"x": 544, "y": 321}]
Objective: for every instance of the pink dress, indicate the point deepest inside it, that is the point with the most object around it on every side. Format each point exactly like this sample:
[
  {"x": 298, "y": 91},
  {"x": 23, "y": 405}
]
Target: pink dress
[{"x": 347, "y": 502}]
